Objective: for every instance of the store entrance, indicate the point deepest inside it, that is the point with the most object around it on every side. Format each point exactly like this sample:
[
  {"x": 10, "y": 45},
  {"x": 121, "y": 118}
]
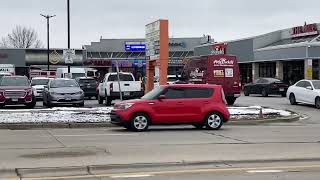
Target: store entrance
[{"x": 293, "y": 71}]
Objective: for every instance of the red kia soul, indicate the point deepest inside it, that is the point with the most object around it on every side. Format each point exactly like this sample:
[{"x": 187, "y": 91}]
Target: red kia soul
[{"x": 197, "y": 104}]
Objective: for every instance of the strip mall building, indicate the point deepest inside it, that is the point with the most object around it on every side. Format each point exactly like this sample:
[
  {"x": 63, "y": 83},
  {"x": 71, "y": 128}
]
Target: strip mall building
[{"x": 290, "y": 54}]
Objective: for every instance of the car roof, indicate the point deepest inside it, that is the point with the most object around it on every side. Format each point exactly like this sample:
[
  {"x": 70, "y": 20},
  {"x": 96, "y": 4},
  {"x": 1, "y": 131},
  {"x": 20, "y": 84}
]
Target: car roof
[
  {"x": 15, "y": 76},
  {"x": 85, "y": 78},
  {"x": 193, "y": 85},
  {"x": 41, "y": 78}
]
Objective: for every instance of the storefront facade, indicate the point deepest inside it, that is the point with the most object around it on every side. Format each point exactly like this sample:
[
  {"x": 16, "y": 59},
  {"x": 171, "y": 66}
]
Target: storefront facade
[
  {"x": 290, "y": 54},
  {"x": 130, "y": 54}
]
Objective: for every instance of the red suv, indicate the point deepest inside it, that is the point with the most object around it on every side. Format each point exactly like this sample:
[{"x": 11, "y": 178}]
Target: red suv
[{"x": 197, "y": 104}]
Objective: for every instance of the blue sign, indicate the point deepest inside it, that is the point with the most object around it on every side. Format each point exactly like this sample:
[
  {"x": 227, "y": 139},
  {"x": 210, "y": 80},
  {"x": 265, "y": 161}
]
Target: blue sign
[{"x": 135, "y": 46}]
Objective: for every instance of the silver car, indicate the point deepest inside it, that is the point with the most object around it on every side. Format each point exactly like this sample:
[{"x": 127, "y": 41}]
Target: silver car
[{"x": 63, "y": 91}]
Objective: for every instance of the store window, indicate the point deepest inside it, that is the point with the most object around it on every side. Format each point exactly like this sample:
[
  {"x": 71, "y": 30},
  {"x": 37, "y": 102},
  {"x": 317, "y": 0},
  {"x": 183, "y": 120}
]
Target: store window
[
  {"x": 293, "y": 71},
  {"x": 267, "y": 69},
  {"x": 315, "y": 69}
]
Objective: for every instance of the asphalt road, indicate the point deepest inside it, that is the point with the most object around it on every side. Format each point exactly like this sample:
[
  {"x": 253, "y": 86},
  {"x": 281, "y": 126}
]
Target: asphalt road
[{"x": 84, "y": 147}]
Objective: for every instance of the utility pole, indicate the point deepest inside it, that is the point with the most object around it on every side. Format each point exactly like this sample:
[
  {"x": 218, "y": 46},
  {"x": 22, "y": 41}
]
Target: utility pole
[
  {"x": 68, "y": 8},
  {"x": 48, "y": 39}
]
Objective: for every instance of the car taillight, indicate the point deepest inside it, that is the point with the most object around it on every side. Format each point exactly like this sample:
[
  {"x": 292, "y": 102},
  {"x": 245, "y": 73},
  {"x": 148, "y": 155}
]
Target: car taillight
[
  {"x": 236, "y": 84},
  {"x": 111, "y": 87}
]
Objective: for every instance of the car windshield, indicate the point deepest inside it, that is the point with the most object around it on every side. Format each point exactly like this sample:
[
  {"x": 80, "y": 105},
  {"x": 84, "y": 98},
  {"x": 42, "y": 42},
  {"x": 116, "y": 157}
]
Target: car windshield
[
  {"x": 87, "y": 81},
  {"x": 63, "y": 83},
  {"x": 14, "y": 81},
  {"x": 76, "y": 75},
  {"x": 123, "y": 77},
  {"x": 316, "y": 84},
  {"x": 39, "y": 82},
  {"x": 153, "y": 94}
]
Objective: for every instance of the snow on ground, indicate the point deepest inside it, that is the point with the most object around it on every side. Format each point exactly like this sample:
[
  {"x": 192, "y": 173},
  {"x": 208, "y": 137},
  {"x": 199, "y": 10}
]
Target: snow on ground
[{"x": 101, "y": 114}]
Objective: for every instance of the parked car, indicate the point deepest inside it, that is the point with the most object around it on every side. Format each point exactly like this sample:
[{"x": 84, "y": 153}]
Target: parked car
[
  {"x": 63, "y": 91},
  {"x": 38, "y": 84},
  {"x": 74, "y": 72},
  {"x": 109, "y": 87},
  {"x": 266, "y": 86},
  {"x": 88, "y": 85},
  {"x": 222, "y": 69},
  {"x": 305, "y": 91},
  {"x": 200, "y": 105},
  {"x": 15, "y": 90}
]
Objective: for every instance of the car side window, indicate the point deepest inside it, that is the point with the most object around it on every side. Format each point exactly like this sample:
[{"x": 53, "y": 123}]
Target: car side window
[
  {"x": 174, "y": 93},
  {"x": 301, "y": 84},
  {"x": 198, "y": 92},
  {"x": 260, "y": 81},
  {"x": 307, "y": 84}
]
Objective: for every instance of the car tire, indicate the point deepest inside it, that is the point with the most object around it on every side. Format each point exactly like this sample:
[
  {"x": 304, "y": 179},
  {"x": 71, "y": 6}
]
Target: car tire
[
  {"x": 246, "y": 92},
  {"x": 32, "y": 104},
  {"x": 230, "y": 100},
  {"x": 139, "y": 122},
  {"x": 317, "y": 102},
  {"x": 264, "y": 92},
  {"x": 100, "y": 99},
  {"x": 214, "y": 120},
  {"x": 292, "y": 99},
  {"x": 108, "y": 101},
  {"x": 49, "y": 105},
  {"x": 198, "y": 125}
]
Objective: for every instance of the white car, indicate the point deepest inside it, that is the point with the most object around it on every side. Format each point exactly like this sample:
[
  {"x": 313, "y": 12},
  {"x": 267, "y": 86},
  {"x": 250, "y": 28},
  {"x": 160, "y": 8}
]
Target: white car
[
  {"x": 305, "y": 91},
  {"x": 38, "y": 84}
]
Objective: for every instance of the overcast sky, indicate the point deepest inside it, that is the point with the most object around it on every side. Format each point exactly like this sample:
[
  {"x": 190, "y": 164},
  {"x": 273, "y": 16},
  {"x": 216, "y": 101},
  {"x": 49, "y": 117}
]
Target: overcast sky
[{"x": 91, "y": 19}]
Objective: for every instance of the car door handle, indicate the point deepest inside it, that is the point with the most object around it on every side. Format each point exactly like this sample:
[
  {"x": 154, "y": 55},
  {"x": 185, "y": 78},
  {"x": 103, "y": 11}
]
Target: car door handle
[{"x": 151, "y": 103}]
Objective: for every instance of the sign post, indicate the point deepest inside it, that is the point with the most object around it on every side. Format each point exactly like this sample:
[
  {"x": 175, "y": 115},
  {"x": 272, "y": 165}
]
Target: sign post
[{"x": 68, "y": 56}]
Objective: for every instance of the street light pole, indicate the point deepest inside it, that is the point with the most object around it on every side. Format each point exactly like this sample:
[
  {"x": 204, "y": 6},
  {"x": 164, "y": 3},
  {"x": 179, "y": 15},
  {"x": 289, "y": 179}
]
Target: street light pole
[
  {"x": 48, "y": 39},
  {"x": 68, "y": 9}
]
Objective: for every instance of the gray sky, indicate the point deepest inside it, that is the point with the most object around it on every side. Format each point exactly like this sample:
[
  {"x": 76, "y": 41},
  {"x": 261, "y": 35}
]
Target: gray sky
[{"x": 90, "y": 19}]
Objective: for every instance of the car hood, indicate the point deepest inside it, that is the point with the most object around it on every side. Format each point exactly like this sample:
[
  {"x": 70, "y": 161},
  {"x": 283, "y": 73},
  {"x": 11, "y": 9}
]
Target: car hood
[
  {"x": 65, "y": 90},
  {"x": 15, "y": 87}
]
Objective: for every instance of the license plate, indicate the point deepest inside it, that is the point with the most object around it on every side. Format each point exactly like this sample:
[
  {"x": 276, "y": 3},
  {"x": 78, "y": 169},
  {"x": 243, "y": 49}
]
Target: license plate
[
  {"x": 281, "y": 89},
  {"x": 88, "y": 86},
  {"x": 126, "y": 93},
  {"x": 15, "y": 100},
  {"x": 68, "y": 98}
]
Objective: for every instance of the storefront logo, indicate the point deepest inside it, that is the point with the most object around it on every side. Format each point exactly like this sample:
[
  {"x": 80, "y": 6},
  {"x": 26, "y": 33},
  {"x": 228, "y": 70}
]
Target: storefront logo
[
  {"x": 306, "y": 30},
  {"x": 178, "y": 44},
  {"x": 223, "y": 62},
  {"x": 55, "y": 57},
  {"x": 135, "y": 46}
]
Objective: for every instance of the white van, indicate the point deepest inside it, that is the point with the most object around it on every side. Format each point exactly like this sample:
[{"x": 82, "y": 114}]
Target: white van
[{"x": 75, "y": 73}]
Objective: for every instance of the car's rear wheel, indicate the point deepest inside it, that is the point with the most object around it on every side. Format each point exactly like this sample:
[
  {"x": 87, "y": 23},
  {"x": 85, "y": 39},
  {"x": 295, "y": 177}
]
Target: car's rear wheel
[
  {"x": 292, "y": 99},
  {"x": 264, "y": 92},
  {"x": 140, "y": 122},
  {"x": 108, "y": 101},
  {"x": 32, "y": 104},
  {"x": 100, "y": 99},
  {"x": 246, "y": 92},
  {"x": 214, "y": 120},
  {"x": 317, "y": 102}
]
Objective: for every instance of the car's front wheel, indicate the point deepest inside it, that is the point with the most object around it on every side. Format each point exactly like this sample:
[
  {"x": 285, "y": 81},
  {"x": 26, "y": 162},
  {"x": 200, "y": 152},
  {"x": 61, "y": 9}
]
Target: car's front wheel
[
  {"x": 214, "y": 120},
  {"x": 317, "y": 102},
  {"x": 292, "y": 99},
  {"x": 246, "y": 92},
  {"x": 100, "y": 99},
  {"x": 140, "y": 122}
]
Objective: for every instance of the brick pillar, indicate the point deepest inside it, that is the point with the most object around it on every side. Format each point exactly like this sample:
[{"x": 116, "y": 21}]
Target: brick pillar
[{"x": 255, "y": 71}]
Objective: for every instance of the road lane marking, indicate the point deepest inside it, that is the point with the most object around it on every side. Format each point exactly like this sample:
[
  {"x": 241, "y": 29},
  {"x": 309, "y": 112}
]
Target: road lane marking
[
  {"x": 189, "y": 171},
  {"x": 132, "y": 176},
  {"x": 265, "y": 171}
]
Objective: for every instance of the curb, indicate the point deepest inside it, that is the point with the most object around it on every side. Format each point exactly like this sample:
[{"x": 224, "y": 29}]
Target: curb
[
  {"x": 100, "y": 169},
  {"x": 265, "y": 121}
]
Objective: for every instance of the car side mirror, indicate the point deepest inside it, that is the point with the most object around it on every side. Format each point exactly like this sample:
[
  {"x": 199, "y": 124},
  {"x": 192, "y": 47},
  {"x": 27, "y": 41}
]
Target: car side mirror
[
  {"x": 162, "y": 96},
  {"x": 309, "y": 87}
]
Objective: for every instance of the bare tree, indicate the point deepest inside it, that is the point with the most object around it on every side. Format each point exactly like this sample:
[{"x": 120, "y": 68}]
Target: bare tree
[{"x": 21, "y": 37}]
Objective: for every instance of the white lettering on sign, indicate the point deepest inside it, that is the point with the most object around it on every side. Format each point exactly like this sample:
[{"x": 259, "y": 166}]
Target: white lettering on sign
[
  {"x": 229, "y": 72},
  {"x": 196, "y": 73},
  {"x": 223, "y": 62}
]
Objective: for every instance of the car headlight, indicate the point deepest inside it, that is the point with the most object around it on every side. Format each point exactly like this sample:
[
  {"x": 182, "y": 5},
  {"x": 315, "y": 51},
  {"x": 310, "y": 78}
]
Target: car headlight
[
  {"x": 29, "y": 92},
  {"x": 79, "y": 93},
  {"x": 123, "y": 105},
  {"x": 53, "y": 93}
]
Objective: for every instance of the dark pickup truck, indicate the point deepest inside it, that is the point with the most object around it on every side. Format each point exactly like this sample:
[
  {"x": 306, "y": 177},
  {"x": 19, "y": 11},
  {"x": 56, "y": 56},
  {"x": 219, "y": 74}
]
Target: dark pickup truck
[{"x": 16, "y": 90}]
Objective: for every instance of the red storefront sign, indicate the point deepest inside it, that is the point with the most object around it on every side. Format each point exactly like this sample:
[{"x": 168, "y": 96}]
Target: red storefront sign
[{"x": 306, "y": 30}]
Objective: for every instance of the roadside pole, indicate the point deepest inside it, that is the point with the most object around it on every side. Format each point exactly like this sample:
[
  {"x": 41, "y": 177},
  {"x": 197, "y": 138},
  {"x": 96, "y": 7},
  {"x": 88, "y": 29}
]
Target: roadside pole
[{"x": 118, "y": 76}]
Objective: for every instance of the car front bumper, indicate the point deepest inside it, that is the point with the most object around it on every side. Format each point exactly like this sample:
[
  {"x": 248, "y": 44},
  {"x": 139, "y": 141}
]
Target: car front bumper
[{"x": 62, "y": 99}]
